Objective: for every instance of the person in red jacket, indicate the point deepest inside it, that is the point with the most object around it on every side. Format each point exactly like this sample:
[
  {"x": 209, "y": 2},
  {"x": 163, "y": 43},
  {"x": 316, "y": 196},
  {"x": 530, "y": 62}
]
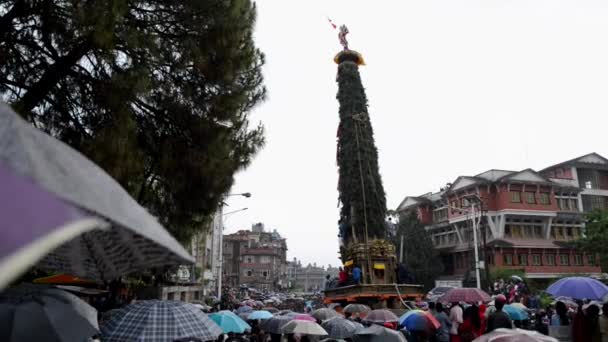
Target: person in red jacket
[{"x": 342, "y": 277}]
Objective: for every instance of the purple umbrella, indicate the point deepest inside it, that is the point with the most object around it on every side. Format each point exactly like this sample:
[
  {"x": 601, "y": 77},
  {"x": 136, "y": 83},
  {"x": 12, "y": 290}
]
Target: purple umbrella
[
  {"x": 578, "y": 288},
  {"x": 53, "y": 203},
  {"x": 34, "y": 222}
]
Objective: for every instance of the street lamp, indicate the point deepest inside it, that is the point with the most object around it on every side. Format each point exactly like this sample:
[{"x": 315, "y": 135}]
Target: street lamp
[{"x": 221, "y": 240}]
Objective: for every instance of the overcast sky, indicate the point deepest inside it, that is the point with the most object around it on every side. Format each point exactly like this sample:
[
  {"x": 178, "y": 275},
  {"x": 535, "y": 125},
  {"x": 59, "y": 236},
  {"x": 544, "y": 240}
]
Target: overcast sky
[{"x": 454, "y": 88}]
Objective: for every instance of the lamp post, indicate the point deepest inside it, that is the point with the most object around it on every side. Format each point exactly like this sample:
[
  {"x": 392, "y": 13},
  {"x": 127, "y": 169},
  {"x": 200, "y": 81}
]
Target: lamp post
[{"x": 221, "y": 240}]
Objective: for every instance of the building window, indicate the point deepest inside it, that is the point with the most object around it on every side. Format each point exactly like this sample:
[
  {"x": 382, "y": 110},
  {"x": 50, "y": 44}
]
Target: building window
[
  {"x": 578, "y": 259},
  {"x": 508, "y": 259},
  {"x": 550, "y": 260},
  {"x": 530, "y": 198},
  {"x": 573, "y": 204},
  {"x": 588, "y": 185},
  {"x": 515, "y": 197},
  {"x": 591, "y": 260},
  {"x": 523, "y": 259},
  {"x": 536, "y": 259},
  {"x": 563, "y": 259},
  {"x": 569, "y": 233},
  {"x": 465, "y": 203},
  {"x": 249, "y": 260},
  {"x": 249, "y": 273},
  {"x": 265, "y": 274},
  {"x": 543, "y": 198}
]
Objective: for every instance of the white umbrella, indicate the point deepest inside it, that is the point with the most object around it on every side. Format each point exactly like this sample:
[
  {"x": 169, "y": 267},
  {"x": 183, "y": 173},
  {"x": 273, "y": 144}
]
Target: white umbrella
[
  {"x": 303, "y": 328},
  {"x": 514, "y": 335}
]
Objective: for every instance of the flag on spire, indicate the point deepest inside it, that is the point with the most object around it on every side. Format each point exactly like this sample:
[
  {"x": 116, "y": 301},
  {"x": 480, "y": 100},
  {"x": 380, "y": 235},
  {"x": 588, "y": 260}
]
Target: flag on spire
[{"x": 332, "y": 23}]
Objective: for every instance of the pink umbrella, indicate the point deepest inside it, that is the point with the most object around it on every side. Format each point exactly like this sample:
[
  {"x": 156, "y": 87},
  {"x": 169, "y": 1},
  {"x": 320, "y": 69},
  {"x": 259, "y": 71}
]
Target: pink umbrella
[
  {"x": 304, "y": 317},
  {"x": 466, "y": 295}
]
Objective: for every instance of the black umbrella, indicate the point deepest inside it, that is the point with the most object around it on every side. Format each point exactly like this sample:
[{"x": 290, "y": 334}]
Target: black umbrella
[{"x": 43, "y": 313}]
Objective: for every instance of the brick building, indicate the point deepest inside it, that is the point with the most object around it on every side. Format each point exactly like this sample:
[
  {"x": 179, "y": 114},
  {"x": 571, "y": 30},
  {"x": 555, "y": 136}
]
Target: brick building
[
  {"x": 527, "y": 219},
  {"x": 255, "y": 258}
]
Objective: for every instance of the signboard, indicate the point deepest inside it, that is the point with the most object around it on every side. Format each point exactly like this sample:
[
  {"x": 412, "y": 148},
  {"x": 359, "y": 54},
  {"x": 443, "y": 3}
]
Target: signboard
[{"x": 445, "y": 283}]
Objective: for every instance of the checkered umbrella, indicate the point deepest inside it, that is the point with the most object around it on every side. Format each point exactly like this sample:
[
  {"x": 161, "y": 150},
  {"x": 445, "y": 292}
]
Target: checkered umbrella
[
  {"x": 339, "y": 327},
  {"x": 323, "y": 314},
  {"x": 159, "y": 321}
]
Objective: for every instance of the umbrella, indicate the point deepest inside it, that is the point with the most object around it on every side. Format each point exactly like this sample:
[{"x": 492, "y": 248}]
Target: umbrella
[
  {"x": 244, "y": 308},
  {"x": 515, "y": 313},
  {"x": 63, "y": 279},
  {"x": 284, "y": 312},
  {"x": 303, "y": 328},
  {"x": 381, "y": 316},
  {"x": 519, "y": 306},
  {"x": 465, "y": 294},
  {"x": 43, "y": 313},
  {"x": 514, "y": 335},
  {"x": 158, "y": 321},
  {"x": 324, "y": 314},
  {"x": 578, "y": 288},
  {"x": 303, "y": 317},
  {"x": 339, "y": 327},
  {"x": 377, "y": 333},
  {"x": 357, "y": 309},
  {"x": 260, "y": 314},
  {"x": 335, "y": 306},
  {"x": 418, "y": 320},
  {"x": 516, "y": 278},
  {"x": 274, "y": 324},
  {"x": 229, "y": 322},
  {"x": 271, "y": 309},
  {"x": 64, "y": 200}
]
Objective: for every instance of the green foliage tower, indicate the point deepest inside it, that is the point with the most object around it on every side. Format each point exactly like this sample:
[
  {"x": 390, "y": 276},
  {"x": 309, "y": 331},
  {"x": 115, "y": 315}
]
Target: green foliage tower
[
  {"x": 361, "y": 194},
  {"x": 360, "y": 185}
]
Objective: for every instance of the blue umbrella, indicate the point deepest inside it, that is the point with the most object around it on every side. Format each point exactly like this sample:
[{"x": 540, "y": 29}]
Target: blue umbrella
[
  {"x": 229, "y": 322},
  {"x": 578, "y": 288},
  {"x": 515, "y": 313},
  {"x": 260, "y": 314}
]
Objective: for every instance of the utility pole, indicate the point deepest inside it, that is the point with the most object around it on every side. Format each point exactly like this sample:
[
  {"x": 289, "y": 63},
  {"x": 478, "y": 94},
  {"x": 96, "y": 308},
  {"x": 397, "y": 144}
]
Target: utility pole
[
  {"x": 401, "y": 250},
  {"x": 478, "y": 279}
]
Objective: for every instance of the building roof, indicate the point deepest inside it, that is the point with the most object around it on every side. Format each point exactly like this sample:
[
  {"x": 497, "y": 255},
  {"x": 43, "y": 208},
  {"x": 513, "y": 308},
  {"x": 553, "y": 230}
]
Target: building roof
[
  {"x": 591, "y": 158},
  {"x": 494, "y": 174}
]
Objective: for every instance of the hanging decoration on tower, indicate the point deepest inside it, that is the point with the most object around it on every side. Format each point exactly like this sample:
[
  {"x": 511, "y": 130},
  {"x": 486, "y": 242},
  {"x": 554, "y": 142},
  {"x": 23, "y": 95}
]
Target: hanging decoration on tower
[{"x": 346, "y": 53}]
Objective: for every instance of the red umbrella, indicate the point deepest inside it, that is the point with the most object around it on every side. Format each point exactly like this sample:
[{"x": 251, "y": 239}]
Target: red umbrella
[{"x": 465, "y": 294}]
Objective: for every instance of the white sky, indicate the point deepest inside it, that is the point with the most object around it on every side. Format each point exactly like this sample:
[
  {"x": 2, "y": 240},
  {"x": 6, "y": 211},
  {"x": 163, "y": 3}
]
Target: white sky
[{"x": 455, "y": 88}]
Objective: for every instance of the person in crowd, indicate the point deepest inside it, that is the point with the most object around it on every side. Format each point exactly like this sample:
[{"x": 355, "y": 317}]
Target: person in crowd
[
  {"x": 540, "y": 323},
  {"x": 456, "y": 319},
  {"x": 443, "y": 333},
  {"x": 432, "y": 308},
  {"x": 593, "y": 326},
  {"x": 327, "y": 282},
  {"x": 356, "y": 275},
  {"x": 498, "y": 318},
  {"x": 560, "y": 317},
  {"x": 342, "y": 276},
  {"x": 580, "y": 325},
  {"x": 470, "y": 328},
  {"x": 482, "y": 317},
  {"x": 603, "y": 323}
]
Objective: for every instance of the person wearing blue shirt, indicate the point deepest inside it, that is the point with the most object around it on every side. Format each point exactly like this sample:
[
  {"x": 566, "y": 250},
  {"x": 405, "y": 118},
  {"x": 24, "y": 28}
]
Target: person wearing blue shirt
[{"x": 357, "y": 275}]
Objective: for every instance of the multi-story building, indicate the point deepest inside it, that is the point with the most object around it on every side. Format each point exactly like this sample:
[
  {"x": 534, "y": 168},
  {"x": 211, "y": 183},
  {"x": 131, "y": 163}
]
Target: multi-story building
[
  {"x": 308, "y": 278},
  {"x": 255, "y": 258},
  {"x": 525, "y": 218}
]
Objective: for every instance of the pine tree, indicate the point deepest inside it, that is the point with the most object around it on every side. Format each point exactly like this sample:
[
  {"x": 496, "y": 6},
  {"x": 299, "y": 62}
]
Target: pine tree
[
  {"x": 360, "y": 185},
  {"x": 419, "y": 256},
  {"x": 157, "y": 92}
]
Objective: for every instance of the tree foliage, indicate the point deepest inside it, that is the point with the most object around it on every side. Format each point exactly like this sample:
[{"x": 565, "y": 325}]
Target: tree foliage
[
  {"x": 595, "y": 240},
  {"x": 419, "y": 256},
  {"x": 157, "y": 92},
  {"x": 357, "y": 159}
]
